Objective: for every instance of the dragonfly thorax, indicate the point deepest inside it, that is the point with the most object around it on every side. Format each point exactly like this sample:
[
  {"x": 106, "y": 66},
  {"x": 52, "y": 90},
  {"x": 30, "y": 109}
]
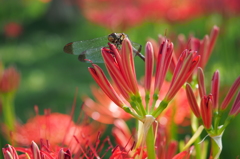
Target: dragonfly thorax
[{"x": 117, "y": 38}]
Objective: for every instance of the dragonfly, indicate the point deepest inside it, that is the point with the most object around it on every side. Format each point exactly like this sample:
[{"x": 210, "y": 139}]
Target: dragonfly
[{"x": 90, "y": 50}]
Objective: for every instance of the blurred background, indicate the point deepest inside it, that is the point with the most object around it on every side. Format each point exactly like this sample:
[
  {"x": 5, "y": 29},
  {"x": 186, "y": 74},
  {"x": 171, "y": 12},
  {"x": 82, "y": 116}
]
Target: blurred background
[{"x": 34, "y": 32}]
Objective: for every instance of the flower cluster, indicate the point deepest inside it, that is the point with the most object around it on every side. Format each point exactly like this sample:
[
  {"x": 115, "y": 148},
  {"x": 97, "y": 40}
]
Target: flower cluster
[
  {"x": 209, "y": 109},
  {"x": 120, "y": 66}
]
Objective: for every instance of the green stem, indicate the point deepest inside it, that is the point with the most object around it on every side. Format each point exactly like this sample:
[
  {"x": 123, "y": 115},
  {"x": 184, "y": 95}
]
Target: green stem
[
  {"x": 155, "y": 98},
  {"x": 227, "y": 121},
  {"x": 195, "y": 125},
  {"x": 218, "y": 116},
  {"x": 197, "y": 148},
  {"x": 150, "y": 144},
  {"x": 128, "y": 110},
  {"x": 141, "y": 107},
  {"x": 134, "y": 106},
  {"x": 8, "y": 109},
  {"x": 136, "y": 103},
  {"x": 160, "y": 108},
  {"x": 147, "y": 99}
]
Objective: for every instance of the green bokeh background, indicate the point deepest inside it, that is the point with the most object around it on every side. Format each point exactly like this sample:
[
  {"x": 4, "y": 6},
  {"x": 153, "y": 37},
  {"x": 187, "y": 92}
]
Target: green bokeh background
[{"x": 49, "y": 77}]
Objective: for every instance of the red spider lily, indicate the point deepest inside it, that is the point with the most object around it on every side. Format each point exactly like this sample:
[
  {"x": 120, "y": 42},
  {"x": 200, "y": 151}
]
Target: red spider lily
[
  {"x": 9, "y": 80},
  {"x": 186, "y": 64},
  {"x": 209, "y": 106},
  {"x": 10, "y": 153},
  {"x": 64, "y": 154},
  {"x": 162, "y": 65},
  {"x": 236, "y": 106},
  {"x": 182, "y": 155},
  {"x": 149, "y": 65},
  {"x": 104, "y": 109},
  {"x": 172, "y": 148},
  {"x": 33, "y": 152},
  {"x": 117, "y": 153},
  {"x": 230, "y": 94},
  {"x": 204, "y": 47},
  {"x": 12, "y": 29},
  {"x": 201, "y": 83},
  {"x": 122, "y": 70},
  {"x": 57, "y": 129},
  {"x": 164, "y": 148},
  {"x": 215, "y": 89},
  {"x": 120, "y": 66},
  {"x": 206, "y": 110},
  {"x": 47, "y": 152},
  {"x": 105, "y": 85},
  {"x": 122, "y": 135},
  {"x": 192, "y": 100}
]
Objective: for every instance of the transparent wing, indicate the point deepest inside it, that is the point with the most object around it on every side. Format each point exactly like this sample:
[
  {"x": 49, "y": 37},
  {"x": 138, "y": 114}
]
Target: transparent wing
[
  {"x": 94, "y": 55},
  {"x": 137, "y": 46},
  {"x": 91, "y": 55},
  {"x": 79, "y": 47}
]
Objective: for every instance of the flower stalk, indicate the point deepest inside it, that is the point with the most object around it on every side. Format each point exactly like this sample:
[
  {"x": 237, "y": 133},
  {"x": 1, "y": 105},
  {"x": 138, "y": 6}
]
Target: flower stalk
[
  {"x": 7, "y": 100},
  {"x": 150, "y": 143},
  {"x": 9, "y": 81}
]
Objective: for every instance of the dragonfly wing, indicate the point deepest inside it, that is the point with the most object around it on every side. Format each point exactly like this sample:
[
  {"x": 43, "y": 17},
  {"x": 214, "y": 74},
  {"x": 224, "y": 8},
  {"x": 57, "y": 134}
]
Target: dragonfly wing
[
  {"x": 137, "y": 46},
  {"x": 79, "y": 47},
  {"x": 91, "y": 56}
]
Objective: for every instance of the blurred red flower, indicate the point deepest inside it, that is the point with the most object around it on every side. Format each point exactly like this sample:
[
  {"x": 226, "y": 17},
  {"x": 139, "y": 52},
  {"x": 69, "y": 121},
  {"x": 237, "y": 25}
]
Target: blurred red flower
[
  {"x": 103, "y": 109},
  {"x": 124, "y": 14},
  {"x": 12, "y": 29},
  {"x": 121, "y": 15},
  {"x": 171, "y": 10},
  {"x": 178, "y": 109},
  {"x": 57, "y": 129},
  {"x": 9, "y": 79},
  {"x": 114, "y": 14},
  {"x": 224, "y": 7}
]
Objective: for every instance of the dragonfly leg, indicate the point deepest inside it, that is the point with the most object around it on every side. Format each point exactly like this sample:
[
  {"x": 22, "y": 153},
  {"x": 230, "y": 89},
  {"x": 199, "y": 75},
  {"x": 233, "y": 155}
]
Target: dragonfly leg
[
  {"x": 137, "y": 53},
  {"x": 141, "y": 56}
]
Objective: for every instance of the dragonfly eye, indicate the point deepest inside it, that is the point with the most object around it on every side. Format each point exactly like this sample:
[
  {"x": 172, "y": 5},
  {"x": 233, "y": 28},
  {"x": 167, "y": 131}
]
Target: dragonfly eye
[{"x": 111, "y": 39}]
